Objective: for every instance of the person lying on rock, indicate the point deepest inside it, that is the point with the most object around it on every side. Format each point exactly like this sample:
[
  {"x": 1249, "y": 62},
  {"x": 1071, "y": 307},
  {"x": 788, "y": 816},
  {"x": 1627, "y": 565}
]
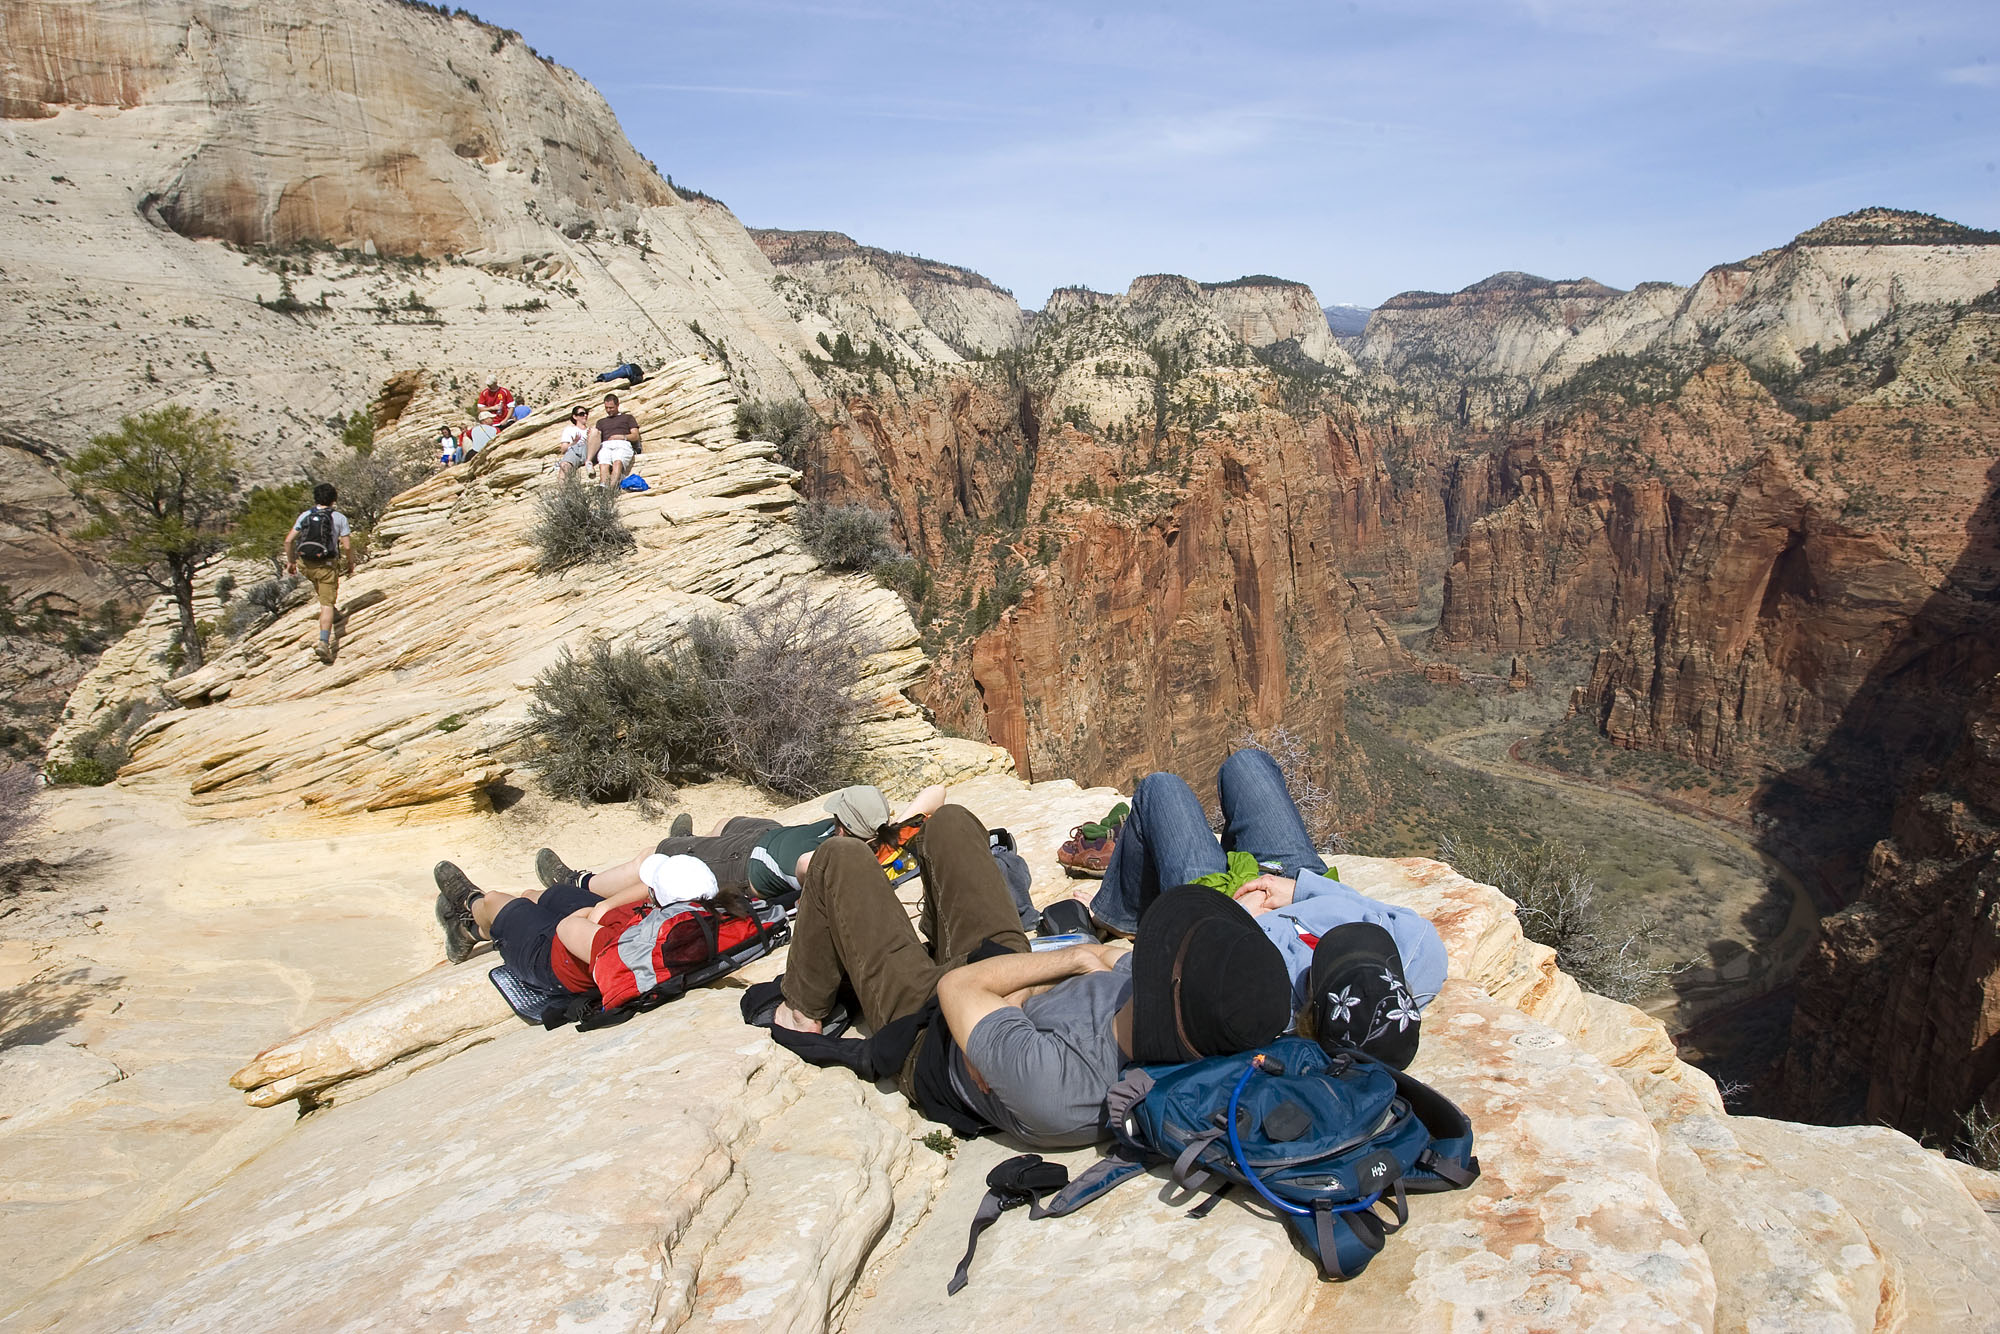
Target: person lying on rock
[
  {"x": 767, "y": 858},
  {"x": 549, "y": 937},
  {"x": 981, "y": 1034},
  {"x": 613, "y": 443},
  {"x": 1282, "y": 881}
]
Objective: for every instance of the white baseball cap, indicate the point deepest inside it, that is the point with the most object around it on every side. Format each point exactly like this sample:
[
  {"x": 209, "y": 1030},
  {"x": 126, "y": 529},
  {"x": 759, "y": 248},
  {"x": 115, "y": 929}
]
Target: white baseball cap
[{"x": 678, "y": 879}]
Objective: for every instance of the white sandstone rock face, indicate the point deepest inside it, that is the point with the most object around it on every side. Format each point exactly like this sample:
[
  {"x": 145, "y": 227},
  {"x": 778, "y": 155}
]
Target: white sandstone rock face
[
  {"x": 1481, "y": 353},
  {"x": 918, "y": 310},
  {"x": 422, "y": 710}
]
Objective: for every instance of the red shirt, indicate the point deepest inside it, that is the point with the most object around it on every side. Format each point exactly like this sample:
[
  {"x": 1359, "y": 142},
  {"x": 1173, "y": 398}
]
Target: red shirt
[
  {"x": 497, "y": 401},
  {"x": 573, "y": 972}
]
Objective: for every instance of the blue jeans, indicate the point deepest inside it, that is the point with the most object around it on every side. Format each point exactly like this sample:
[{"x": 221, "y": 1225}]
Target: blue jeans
[{"x": 1165, "y": 841}]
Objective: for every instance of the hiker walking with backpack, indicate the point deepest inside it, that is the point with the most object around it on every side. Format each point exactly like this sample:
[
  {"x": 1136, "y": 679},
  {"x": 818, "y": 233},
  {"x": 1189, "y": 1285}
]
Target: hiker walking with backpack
[{"x": 320, "y": 546}]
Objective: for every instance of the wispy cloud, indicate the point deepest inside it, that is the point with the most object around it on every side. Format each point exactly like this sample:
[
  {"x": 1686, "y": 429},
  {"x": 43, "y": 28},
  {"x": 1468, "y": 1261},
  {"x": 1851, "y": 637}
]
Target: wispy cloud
[{"x": 1980, "y": 74}]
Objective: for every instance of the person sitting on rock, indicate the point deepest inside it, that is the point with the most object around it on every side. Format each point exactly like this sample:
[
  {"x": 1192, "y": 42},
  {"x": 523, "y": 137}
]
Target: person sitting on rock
[
  {"x": 980, "y": 1033},
  {"x": 761, "y": 855},
  {"x": 614, "y": 442},
  {"x": 496, "y": 405},
  {"x": 321, "y": 544},
  {"x": 450, "y": 450},
  {"x": 1283, "y": 882},
  {"x": 548, "y": 937},
  {"x": 575, "y": 441}
]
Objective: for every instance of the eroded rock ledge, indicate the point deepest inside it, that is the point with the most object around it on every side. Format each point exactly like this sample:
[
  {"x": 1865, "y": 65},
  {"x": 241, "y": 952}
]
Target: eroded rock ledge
[{"x": 682, "y": 1172}]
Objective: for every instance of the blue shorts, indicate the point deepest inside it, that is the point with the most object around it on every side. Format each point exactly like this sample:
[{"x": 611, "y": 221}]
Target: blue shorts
[{"x": 525, "y": 933}]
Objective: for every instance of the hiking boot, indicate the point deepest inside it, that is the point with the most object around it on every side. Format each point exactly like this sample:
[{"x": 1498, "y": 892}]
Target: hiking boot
[
  {"x": 323, "y": 650},
  {"x": 461, "y": 932},
  {"x": 552, "y": 870},
  {"x": 683, "y": 826},
  {"x": 456, "y": 887},
  {"x": 1087, "y": 851}
]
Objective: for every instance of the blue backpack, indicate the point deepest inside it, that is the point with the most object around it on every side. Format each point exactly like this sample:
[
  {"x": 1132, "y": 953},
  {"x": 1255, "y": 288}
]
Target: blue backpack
[{"x": 1324, "y": 1140}]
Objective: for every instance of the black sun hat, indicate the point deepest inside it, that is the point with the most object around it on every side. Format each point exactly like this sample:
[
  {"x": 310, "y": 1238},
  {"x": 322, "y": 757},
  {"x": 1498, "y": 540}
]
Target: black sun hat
[
  {"x": 1356, "y": 995},
  {"x": 1206, "y": 980}
]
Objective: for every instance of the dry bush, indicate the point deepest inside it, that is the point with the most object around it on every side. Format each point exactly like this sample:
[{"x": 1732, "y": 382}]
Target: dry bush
[
  {"x": 844, "y": 537},
  {"x": 770, "y": 698},
  {"x": 576, "y": 524},
  {"x": 18, "y": 791},
  {"x": 97, "y": 754},
  {"x": 1978, "y": 1138},
  {"x": 786, "y": 422},
  {"x": 1316, "y": 802},
  {"x": 1555, "y": 898}
]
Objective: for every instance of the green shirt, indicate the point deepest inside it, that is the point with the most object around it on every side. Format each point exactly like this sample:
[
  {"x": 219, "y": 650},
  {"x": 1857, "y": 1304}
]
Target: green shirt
[{"x": 778, "y": 852}]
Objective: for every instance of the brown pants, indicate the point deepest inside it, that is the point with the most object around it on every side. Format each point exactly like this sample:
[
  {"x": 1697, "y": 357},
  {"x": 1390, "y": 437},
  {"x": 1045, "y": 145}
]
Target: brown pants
[{"x": 851, "y": 925}]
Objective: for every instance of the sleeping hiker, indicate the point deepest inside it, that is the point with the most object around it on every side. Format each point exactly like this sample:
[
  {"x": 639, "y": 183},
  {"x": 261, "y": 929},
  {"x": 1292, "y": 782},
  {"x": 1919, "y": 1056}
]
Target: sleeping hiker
[
  {"x": 1264, "y": 859},
  {"x": 549, "y": 937},
  {"x": 978, "y": 1032},
  {"x": 750, "y": 850}
]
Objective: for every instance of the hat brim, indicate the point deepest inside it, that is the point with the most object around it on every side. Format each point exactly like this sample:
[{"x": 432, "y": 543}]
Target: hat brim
[{"x": 1187, "y": 916}]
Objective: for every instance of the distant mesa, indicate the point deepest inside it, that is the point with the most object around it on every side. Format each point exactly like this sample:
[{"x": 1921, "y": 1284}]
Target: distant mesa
[
  {"x": 784, "y": 248},
  {"x": 1893, "y": 226},
  {"x": 1510, "y": 284}
]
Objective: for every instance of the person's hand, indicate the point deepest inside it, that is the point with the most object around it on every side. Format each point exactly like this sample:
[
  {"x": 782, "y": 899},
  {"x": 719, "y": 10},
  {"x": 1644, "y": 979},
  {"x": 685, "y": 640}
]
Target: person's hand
[
  {"x": 1266, "y": 892},
  {"x": 291, "y": 567}
]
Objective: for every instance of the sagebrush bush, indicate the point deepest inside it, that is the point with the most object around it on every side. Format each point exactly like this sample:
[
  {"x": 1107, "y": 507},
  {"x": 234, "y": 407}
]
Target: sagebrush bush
[
  {"x": 844, "y": 537},
  {"x": 97, "y": 754},
  {"x": 576, "y": 524},
  {"x": 18, "y": 792},
  {"x": 770, "y": 699},
  {"x": 1555, "y": 899},
  {"x": 367, "y": 482},
  {"x": 786, "y": 422}
]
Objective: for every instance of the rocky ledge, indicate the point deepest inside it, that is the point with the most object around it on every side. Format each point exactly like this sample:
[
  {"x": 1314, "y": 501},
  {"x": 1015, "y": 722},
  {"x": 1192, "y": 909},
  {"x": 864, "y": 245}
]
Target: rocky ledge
[
  {"x": 451, "y": 620},
  {"x": 683, "y": 1172}
]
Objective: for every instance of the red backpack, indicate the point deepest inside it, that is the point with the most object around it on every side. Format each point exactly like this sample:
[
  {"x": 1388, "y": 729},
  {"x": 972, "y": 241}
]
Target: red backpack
[{"x": 668, "y": 948}]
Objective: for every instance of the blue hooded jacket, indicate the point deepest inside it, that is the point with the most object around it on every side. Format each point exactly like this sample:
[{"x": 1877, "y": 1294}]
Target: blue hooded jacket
[{"x": 1320, "y": 904}]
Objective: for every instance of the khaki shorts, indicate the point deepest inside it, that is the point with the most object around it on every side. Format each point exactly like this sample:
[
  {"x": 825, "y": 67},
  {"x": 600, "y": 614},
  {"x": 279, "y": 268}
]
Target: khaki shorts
[{"x": 325, "y": 579}]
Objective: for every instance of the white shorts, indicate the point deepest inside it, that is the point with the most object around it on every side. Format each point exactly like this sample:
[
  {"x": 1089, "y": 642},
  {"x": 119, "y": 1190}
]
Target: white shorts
[{"x": 615, "y": 451}]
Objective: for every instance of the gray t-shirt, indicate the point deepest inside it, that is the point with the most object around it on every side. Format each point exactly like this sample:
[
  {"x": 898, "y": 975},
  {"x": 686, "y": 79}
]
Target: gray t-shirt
[
  {"x": 341, "y": 528},
  {"x": 1050, "y": 1062}
]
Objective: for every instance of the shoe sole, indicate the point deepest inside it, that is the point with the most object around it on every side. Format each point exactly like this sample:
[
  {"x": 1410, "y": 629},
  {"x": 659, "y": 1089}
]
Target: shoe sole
[{"x": 1083, "y": 873}]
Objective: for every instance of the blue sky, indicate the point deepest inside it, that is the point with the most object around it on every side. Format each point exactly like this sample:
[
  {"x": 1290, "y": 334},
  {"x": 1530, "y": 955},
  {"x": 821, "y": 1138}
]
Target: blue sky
[{"x": 1365, "y": 148}]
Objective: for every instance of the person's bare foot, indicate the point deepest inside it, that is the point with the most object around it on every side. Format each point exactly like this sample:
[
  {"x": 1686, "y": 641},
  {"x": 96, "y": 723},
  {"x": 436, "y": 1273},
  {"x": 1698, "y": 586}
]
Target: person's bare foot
[{"x": 786, "y": 1017}]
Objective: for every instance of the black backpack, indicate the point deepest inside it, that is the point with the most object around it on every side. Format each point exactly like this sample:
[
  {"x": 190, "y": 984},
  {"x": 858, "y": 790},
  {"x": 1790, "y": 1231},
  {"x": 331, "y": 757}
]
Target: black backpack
[{"x": 316, "y": 536}]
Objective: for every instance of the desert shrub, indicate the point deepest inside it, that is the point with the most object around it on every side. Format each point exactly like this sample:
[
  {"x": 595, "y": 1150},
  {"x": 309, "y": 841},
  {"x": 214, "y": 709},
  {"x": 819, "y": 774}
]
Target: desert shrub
[
  {"x": 98, "y": 753},
  {"x": 786, "y": 422},
  {"x": 1317, "y": 804},
  {"x": 367, "y": 480},
  {"x": 260, "y": 604},
  {"x": 770, "y": 698},
  {"x": 1555, "y": 898},
  {"x": 844, "y": 537},
  {"x": 576, "y": 524},
  {"x": 1978, "y": 1140},
  {"x": 17, "y": 801}
]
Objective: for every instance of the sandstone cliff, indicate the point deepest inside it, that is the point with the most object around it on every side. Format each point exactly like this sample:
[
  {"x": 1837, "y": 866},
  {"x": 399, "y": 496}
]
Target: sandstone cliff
[{"x": 1145, "y": 535}]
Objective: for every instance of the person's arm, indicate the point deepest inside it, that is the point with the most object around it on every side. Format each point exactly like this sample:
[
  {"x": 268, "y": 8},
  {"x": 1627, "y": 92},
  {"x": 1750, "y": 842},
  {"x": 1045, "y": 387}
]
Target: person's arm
[
  {"x": 623, "y": 897},
  {"x": 925, "y": 803},
  {"x": 590, "y": 444},
  {"x": 347, "y": 550},
  {"x": 972, "y": 991},
  {"x": 291, "y": 556}
]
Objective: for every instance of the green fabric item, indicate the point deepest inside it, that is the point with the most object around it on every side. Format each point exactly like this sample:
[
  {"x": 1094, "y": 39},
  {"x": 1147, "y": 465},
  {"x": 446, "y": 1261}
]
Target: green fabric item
[
  {"x": 1242, "y": 870},
  {"x": 785, "y": 845}
]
